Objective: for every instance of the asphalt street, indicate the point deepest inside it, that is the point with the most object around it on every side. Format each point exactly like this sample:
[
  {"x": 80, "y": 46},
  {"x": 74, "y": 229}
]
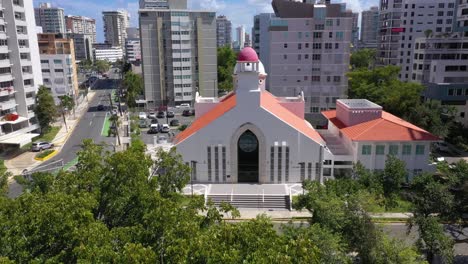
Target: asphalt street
[{"x": 90, "y": 125}]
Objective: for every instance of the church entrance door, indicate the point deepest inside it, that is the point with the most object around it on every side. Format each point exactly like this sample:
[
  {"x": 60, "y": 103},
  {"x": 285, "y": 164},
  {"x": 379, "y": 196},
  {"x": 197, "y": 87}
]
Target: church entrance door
[{"x": 247, "y": 157}]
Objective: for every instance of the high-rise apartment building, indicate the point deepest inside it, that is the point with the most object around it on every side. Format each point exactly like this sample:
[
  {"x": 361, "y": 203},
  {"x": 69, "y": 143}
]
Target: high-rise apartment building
[
  {"x": 261, "y": 39},
  {"x": 369, "y": 27},
  {"x": 58, "y": 65},
  {"x": 20, "y": 73},
  {"x": 309, "y": 52},
  {"x": 133, "y": 50},
  {"x": 248, "y": 41},
  {"x": 178, "y": 53},
  {"x": 240, "y": 37},
  {"x": 83, "y": 46},
  {"x": 133, "y": 33},
  {"x": 402, "y": 22},
  {"x": 115, "y": 27},
  {"x": 81, "y": 25},
  {"x": 223, "y": 31},
  {"x": 51, "y": 19},
  {"x": 354, "y": 30}
]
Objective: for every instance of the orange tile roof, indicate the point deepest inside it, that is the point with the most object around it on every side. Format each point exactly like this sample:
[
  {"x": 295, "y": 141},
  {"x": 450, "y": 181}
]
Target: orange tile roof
[
  {"x": 386, "y": 128},
  {"x": 267, "y": 101},
  {"x": 228, "y": 103},
  {"x": 271, "y": 104}
]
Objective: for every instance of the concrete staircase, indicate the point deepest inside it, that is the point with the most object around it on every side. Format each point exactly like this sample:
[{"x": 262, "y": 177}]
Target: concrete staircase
[{"x": 253, "y": 201}]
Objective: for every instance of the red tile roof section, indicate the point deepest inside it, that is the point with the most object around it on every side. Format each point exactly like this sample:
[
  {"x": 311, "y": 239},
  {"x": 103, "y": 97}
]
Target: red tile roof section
[
  {"x": 220, "y": 109},
  {"x": 271, "y": 104},
  {"x": 386, "y": 128}
]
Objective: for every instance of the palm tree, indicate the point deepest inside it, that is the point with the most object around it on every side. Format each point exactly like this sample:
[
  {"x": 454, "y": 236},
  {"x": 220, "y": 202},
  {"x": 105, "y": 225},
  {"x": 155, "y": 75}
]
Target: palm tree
[{"x": 428, "y": 33}]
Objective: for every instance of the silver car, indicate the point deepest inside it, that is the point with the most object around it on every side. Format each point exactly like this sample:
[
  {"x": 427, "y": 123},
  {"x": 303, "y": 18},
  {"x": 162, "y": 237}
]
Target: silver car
[{"x": 39, "y": 146}]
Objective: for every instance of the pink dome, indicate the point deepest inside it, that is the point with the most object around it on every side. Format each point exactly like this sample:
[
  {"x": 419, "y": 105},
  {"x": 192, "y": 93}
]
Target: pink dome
[{"x": 247, "y": 54}]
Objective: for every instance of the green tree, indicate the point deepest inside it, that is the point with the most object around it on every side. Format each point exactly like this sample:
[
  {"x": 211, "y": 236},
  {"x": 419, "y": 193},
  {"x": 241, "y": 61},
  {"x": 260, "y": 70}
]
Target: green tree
[
  {"x": 172, "y": 173},
  {"x": 392, "y": 177},
  {"x": 133, "y": 84},
  {"x": 381, "y": 86},
  {"x": 86, "y": 65},
  {"x": 4, "y": 175},
  {"x": 45, "y": 110},
  {"x": 66, "y": 104},
  {"x": 363, "y": 58},
  {"x": 226, "y": 64},
  {"x": 436, "y": 118},
  {"x": 102, "y": 66}
]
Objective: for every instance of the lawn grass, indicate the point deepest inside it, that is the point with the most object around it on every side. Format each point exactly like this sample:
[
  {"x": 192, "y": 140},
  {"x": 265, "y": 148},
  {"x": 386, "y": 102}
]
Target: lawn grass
[
  {"x": 105, "y": 127},
  {"x": 49, "y": 136},
  {"x": 44, "y": 153}
]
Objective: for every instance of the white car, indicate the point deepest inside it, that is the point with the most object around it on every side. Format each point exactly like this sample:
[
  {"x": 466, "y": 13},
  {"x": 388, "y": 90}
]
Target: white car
[
  {"x": 183, "y": 106},
  {"x": 142, "y": 115},
  {"x": 152, "y": 115},
  {"x": 165, "y": 128}
]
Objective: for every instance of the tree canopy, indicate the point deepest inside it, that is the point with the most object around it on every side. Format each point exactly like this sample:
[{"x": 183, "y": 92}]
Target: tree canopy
[
  {"x": 45, "y": 110},
  {"x": 226, "y": 64},
  {"x": 363, "y": 58},
  {"x": 133, "y": 84}
]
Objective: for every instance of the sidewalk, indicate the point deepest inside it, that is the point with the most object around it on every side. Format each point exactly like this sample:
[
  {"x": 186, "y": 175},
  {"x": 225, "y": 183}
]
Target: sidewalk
[
  {"x": 286, "y": 215},
  {"x": 26, "y": 160}
]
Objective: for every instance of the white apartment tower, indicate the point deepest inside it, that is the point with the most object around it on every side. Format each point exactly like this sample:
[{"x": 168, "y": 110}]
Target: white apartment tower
[
  {"x": 223, "y": 31},
  {"x": 240, "y": 34},
  {"x": 178, "y": 49},
  {"x": 81, "y": 25},
  {"x": 20, "y": 73},
  {"x": 115, "y": 27},
  {"x": 369, "y": 27},
  {"x": 309, "y": 52},
  {"x": 51, "y": 19},
  {"x": 402, "y": 22}
]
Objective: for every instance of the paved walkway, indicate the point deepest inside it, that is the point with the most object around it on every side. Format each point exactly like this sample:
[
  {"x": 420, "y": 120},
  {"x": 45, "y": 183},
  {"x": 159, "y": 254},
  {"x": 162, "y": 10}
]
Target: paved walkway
[
  {"x": 26, "y": 160},
  {"x": 285, "y": 215}
]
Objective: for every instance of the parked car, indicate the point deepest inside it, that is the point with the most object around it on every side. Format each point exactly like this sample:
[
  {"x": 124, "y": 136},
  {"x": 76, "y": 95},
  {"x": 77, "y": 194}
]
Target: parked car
[
  {"x": 39, "y": 146},
  {"x": 100, "y": 107},
  {"x": 142, "y": 115},
  {"x": 174, "y": 122},
  {"x": 142, "y": 124},
  {"x": 154, "y": 129},
  {"x": 161, "y": 114},
  {"x": 154, "y": 121},
  {"x": 165, "y": 128},
  {"x": 442, "y": 146},
  {"x": 170, "y": 114},
  {"x": 183, "y": 106},
  {"x": 152, "y": 115},
  {"x": 187, "y": 112}
]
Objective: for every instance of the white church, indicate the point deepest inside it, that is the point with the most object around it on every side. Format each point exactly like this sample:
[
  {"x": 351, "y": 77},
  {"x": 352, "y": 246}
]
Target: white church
[{"x": 251, "y": 136}]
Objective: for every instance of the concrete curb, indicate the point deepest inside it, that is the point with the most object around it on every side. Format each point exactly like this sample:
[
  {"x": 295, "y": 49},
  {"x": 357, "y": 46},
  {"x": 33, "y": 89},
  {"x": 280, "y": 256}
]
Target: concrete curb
[{"x": 48, "y": 157}]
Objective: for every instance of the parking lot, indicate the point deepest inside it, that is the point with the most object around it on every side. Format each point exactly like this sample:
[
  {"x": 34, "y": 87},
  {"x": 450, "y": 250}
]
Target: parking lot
[{"x": 184, "y": 120}]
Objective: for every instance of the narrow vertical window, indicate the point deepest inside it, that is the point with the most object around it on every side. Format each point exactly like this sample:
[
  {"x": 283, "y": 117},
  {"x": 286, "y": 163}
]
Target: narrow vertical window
[
  {"x": 194, "y": 171},
  {"x": 317, "y": 171},
  {"x": 209, "y": 162},
  {"x": 272, "y": 164},
  {"x": 216, "y": 152},
  {"x": 286, "y": 166},
  {"x": 309, "y": 170},
  {"x": 224, "y": 163},
  {"x": 280, "y": 161},
  {"x": 302, "y": 171}
]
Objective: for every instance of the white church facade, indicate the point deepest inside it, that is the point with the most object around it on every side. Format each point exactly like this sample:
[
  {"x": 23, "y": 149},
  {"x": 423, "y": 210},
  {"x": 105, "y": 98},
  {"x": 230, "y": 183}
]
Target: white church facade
[{"x": 251, "y": 136}]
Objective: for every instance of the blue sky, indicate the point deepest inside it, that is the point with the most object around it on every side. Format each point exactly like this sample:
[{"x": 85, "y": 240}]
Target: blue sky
[{"x": 240, "y": 12}]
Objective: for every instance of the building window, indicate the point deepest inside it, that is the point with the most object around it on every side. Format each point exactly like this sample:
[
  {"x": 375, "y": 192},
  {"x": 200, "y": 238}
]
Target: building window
[
  {"x": 286, "y": 174},
  {"x": 224, "y": 163},
  {"x": 272, "y": 164},
  {"x": 45, "y": 61},
  {"x": 280, "y": 161},
  {"x": 380, "y": 150},
  {"x": 285, "y": 45},
  {"x": 285, "y": 57},
  {"x": 419, "y": 149},
  {"x": 393, "y": 150},
  {"x": 366, "y": 149},
  {"x": 57, "y": 61},
  {"x": 317, "y": 170},
  {"x": 302, "y": 164},
  {"x": 406, "y": 150},
  {"x": 209, "y": 162},
  {"x": 309, "y": 171},
  {"x": 329, "y": 22}
]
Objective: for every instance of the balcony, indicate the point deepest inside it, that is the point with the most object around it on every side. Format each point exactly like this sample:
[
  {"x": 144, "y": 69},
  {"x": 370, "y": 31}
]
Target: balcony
[
  {"x": 30, "y": 101},
  {"x": 7, "y": 91},
  {"x": 31, "y": 114},
  {"x": 5, "y": 63},
  {"x": 24, "y": 49},
  {"x": 5, "y": 105},
  {"x": 28, "y": 75},
  {"x": 6, "y": 77},
  {"x": 26, "y": 62},
  {"x": 29, "y": 89}
]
